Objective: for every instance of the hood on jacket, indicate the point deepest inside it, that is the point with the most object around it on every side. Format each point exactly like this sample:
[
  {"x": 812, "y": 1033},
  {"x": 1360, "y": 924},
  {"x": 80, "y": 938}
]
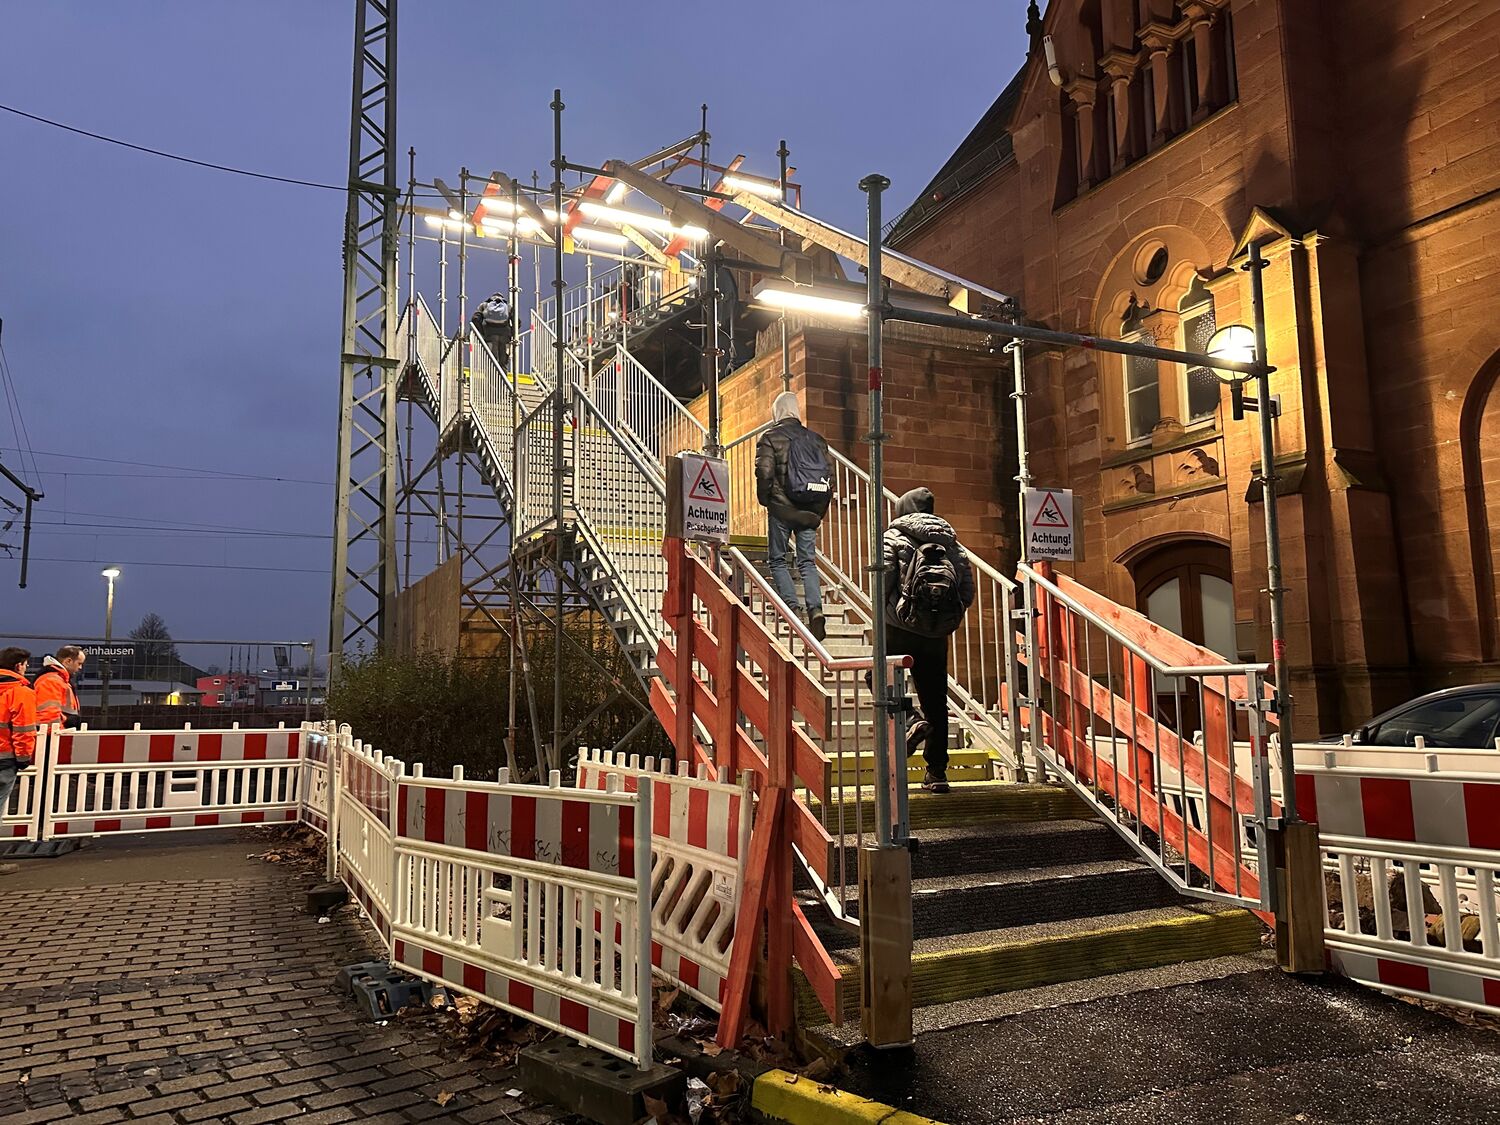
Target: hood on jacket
[
  {"x": 917, "y": 500},
  {"x": 50, "y": 661},
  {"x": 924, "y": 527},
  {"x": 786, "y": 406}
]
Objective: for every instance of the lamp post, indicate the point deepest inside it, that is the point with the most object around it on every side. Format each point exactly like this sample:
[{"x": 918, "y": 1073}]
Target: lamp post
[
  {"x": 109, "y": 574},
  {"x": 1247, "y": 345}
]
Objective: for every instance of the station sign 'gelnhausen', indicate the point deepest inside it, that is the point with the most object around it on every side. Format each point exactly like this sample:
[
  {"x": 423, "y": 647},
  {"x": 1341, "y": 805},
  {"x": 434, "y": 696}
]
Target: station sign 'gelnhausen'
[{"x": 109, "y": 652}]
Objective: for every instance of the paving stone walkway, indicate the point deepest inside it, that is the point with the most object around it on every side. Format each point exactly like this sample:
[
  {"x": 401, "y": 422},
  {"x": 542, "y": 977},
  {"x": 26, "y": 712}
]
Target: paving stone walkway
[{"x": 179, "y": 981}]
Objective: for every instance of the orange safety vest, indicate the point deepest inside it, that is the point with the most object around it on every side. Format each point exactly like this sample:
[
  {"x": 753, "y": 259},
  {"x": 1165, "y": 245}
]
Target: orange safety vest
[
  {"x": 56, "y": 701},
  {"x": 18, "y": 723}
]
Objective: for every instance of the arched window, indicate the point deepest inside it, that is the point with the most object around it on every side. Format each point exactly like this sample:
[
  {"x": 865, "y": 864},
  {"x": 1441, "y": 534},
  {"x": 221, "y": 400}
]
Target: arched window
[
  {"x": 1142, "y": 379},
  {"x": 1201, "y": 389}
]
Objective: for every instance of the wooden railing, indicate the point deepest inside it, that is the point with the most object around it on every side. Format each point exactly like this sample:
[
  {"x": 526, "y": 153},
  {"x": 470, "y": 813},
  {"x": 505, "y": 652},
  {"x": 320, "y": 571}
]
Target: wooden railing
[{"x": 764, "y": 712}]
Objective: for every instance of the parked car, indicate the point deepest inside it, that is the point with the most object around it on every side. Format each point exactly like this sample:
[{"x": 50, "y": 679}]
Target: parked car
[{"x": 1454, "y": 718}]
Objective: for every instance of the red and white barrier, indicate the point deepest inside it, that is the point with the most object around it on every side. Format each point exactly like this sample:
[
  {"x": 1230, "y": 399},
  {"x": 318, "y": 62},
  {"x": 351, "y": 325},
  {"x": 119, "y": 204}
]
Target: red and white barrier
[
  {"x": 532, "y": 899},
  {"x": 21, "y": 818},
  {"x": 104, "y": 782},
  {"x": 700, "y": 834},
  {"x": 536, "y": 899},
  {"x": 1395, "y": 843}
]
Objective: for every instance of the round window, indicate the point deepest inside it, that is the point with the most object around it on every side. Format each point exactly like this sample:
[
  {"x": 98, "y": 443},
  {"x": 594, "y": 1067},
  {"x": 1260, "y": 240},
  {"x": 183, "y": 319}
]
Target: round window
[{"x": 1151, "y": 263}]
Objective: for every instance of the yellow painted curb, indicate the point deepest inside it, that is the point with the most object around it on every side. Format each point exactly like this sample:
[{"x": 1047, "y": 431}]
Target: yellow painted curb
[{"x": 779, "y": 1095}]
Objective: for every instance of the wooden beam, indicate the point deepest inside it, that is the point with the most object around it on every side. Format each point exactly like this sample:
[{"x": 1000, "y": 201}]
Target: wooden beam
[{"x": 684, "y": 210}]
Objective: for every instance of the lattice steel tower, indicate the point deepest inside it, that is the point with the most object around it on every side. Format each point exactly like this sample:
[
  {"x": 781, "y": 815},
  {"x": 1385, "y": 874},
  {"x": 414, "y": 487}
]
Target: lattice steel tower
[{"x": 364, "y": 534}]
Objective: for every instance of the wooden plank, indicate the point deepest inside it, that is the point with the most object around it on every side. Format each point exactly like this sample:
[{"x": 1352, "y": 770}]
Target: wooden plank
[
  {"x": 747, "y": 924},
  {"x": 885, "y": 941},
  {"x": 1301, "y": 913},
  {"x": 1161, "y": 643},
  {"x": 824, "y": 976}
]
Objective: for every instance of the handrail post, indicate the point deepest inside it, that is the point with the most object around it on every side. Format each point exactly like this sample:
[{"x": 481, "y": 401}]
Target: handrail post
[{"x": 885, "y": 931}]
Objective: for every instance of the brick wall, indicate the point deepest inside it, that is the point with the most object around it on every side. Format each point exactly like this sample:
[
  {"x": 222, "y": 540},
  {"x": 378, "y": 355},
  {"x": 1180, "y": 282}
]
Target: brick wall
[
  {"x": 947, "y": 409},
  {"x": 1364, "y": 149}
]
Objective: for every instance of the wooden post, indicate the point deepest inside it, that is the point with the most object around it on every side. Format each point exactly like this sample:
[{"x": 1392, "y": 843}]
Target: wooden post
[
  {"x": 1300, "y": 908},
  {"x": 779, "y": 1008},
  {"x": 727, "y": 686},
  {"x": 885, "y": 941}
]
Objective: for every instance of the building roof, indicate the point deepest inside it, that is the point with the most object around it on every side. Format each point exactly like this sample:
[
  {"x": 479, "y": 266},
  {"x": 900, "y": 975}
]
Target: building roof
[{"x": 986, "y": 148}]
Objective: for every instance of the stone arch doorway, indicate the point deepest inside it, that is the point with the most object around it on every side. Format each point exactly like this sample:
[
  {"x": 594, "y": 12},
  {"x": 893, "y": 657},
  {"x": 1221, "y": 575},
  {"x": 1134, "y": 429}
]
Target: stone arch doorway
[{"x": 1187, "y": 586}]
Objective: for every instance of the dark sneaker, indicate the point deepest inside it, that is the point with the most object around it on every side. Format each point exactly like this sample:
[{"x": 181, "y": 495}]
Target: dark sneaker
[
  {"x": 934, "y": 783},
  {"x": 916, "y": 737},
  {"x": 819, "y": 625}
]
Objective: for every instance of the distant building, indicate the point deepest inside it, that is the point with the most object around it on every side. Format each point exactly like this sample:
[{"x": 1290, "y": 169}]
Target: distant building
[
  {"x": 148, "y": 693},
  {"x": 234, "y": 689}
]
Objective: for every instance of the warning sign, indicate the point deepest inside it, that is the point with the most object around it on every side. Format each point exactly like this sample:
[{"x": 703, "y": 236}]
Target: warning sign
[
  {"x": 1049, "y": 523},
  {"x": 705, "y": 497}
]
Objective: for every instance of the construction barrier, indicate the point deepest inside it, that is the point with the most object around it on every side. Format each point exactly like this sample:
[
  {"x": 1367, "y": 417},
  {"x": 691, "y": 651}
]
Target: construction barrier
[
  {"x": 96, "y": 783},
  {"x": 316, "y": 786},
  {"x": 700, "y": 835},
  {"x": 534, "y": 899},
  {"x": 1410, "y": 860},
  {"x": 21, "y": 819}
]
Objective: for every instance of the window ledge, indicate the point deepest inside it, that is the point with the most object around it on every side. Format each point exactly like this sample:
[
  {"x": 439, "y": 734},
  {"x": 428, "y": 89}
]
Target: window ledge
[{"x": 1137, "y": 453}]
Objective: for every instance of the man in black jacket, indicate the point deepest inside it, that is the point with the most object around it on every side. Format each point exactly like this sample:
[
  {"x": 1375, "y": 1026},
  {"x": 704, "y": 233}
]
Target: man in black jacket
[
  {"x": 913, "y": 527},
  {"x": 787, "y": 519}
]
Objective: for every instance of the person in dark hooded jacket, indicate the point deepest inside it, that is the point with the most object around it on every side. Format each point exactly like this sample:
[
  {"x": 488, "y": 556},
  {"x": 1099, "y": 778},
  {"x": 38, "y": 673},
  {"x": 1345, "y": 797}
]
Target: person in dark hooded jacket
[
  {"x": 914, "y": 526},
  {"x": 787, "y": 520}
]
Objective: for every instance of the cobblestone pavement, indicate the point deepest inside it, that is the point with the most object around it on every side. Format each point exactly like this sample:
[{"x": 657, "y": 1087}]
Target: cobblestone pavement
[{"x": 180, "y": 981}]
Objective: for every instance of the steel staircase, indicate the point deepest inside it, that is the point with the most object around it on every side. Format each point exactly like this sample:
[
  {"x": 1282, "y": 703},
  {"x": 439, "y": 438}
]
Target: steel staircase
[{"x": 1021, "y": 885}]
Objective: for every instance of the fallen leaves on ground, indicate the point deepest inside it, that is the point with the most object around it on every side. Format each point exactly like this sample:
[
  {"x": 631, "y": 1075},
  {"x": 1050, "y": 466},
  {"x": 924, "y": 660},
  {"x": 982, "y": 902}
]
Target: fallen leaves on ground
[{"x": 444, "y": 1097}]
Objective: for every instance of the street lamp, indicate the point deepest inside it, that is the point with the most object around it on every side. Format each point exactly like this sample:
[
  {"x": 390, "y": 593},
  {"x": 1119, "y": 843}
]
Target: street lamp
[
  {"x": 109, "y": 573},
  {"x": 1248, "y": 345}
]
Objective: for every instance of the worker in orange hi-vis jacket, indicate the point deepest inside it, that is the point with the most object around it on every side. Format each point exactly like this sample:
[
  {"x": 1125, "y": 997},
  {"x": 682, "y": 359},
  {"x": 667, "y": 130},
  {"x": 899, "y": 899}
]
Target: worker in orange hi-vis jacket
[
  {"x": 18, "y": 727},
  {"x": 56, "y": 701}
]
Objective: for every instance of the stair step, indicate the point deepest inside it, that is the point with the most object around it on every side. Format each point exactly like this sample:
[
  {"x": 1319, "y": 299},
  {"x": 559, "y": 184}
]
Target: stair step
[
  {"x": 1014, "y": 845},
  {"x": 967, "y": 965},
  {"x": 974, "y": 802},
  {"x": 995, "y": 900}
]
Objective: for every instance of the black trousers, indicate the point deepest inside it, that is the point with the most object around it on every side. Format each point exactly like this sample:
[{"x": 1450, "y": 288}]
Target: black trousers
[{"x": 929, "y": 677}]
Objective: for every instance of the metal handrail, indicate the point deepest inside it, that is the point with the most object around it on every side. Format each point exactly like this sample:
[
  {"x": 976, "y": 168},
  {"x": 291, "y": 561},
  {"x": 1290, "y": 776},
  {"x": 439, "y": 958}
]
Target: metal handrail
[
  {"x": 1134, "y": 646},
  {"x": 653, "y": 473}
]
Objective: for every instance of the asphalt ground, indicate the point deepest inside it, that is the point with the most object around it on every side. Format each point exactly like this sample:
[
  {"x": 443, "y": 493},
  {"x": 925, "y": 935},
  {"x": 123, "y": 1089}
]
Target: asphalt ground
[{"x": 1254, "y": 1046}]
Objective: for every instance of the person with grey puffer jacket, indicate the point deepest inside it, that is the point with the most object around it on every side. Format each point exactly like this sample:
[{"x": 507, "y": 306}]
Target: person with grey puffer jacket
[{"x": 929, "y": 585}]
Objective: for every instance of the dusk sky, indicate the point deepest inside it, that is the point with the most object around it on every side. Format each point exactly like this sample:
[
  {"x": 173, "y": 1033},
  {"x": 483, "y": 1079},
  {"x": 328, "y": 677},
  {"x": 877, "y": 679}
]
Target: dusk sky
[{"x": 160, "y": 317}]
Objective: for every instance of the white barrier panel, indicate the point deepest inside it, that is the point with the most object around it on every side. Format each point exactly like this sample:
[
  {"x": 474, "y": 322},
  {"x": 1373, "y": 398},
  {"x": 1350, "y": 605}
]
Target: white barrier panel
[
  {"x": 363, "y": 828},
  {"x": 700, "y": 834},
  {"x": 316, "y": 784},
  {"x": 1422, "y": 851},
  {"x": 21, "y": 818},
  {"x": 531, "y": 899},
  {"x": 105, "y": 782}
]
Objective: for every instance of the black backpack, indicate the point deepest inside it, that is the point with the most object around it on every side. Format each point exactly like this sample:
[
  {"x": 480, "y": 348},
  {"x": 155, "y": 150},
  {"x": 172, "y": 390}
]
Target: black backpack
[
  {"x": 809, "y": 477},
  {"x": 928, "y": 602}
]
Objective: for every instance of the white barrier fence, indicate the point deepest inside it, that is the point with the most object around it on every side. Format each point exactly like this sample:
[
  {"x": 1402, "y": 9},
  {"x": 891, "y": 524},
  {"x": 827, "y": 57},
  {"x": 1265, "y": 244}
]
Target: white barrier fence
[
  {"x": 1411, "y": 847},
  {"x": 700, "y": 835},
  {"x": 534, "y": 899}
]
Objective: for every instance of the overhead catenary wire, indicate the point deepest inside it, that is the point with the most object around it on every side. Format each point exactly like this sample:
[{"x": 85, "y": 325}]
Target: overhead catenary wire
[
  {"x": 228, "y": 473},
  {"x": 179, "y": 158}
]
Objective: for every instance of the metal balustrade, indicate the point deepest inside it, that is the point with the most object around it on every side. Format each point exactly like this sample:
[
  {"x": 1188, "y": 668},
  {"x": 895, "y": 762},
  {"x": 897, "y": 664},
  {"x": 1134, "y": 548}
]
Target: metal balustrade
[{"x": 1119, "y": 729}]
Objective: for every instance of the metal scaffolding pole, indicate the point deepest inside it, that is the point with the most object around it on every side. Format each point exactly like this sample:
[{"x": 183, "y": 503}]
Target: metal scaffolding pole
[
  {"x": 559, "y": 401},
  {"x": 873, "y": 186},
  {"x": 364, "y": 539}
]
